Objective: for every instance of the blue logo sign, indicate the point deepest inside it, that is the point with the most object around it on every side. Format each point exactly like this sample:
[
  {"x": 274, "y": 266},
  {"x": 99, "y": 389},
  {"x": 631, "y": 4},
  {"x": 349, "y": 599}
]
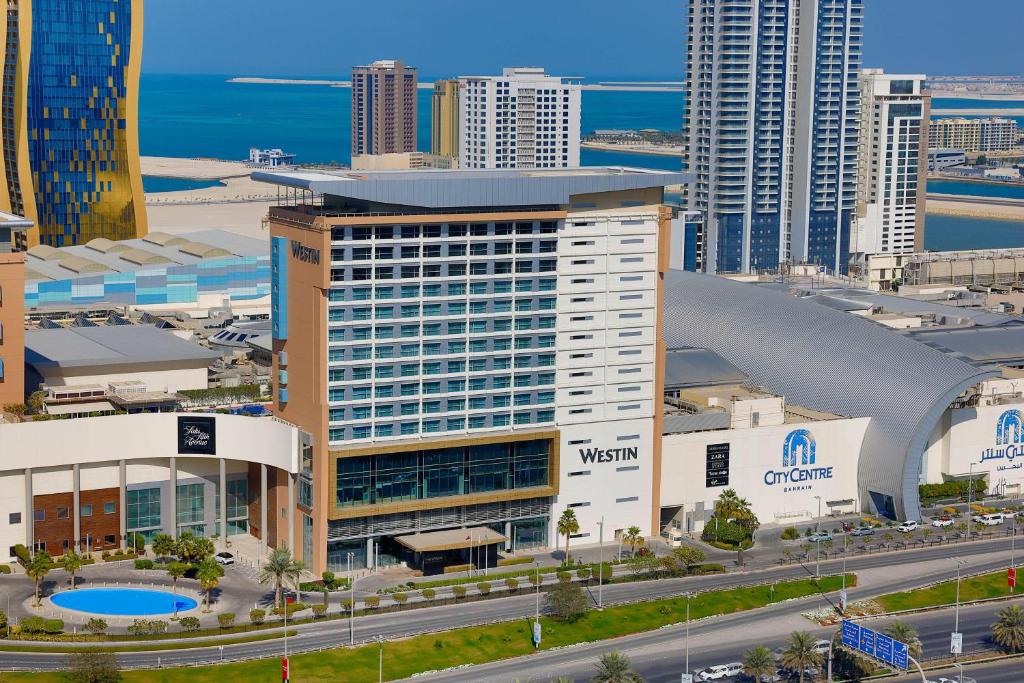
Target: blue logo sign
[
  {"x": 799, "y": 452},
  {"x": 1009, "y": 439},
  {"x": 876, "y": 645}
]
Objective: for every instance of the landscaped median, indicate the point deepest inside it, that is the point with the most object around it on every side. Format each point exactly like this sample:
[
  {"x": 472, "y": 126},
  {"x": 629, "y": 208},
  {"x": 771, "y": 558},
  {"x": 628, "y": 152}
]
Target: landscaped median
[
  {"x": 482, "y": 644},
  {"x": 981, "y": 587}
]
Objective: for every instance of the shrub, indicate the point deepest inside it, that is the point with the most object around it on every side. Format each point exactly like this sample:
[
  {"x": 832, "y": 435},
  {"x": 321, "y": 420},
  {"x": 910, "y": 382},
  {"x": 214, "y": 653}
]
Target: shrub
[
  {"x": 952, "y": 489},
  {"x": 790, "y": 533},
  {"x": 429, "y": 593},
  {"x": 257, "y": 616},
  {"x": 96, "y": 625},
  {"x": 567, "y": 601},
  {"x": 226, "y": 620},
  {"x": 319, "y": 610},
  {"x": 453, "y": 568},
  {"x": 400, "y": 598},
  {"x": 725, "y": 532},
  {"x": 511, "y": 584},
  {"x": 509, "y": 561},
  {"x": 144, "y": 564},
  {"x": 346, "y": 604},
  {"x": 191, "y": 624},
  {"x": 5, "y": 569},
  {"x": 145, "y": 627},
  {"x": 292, "y": 609},
  {"x": 41, "y": 625},
  {"x": 484, "y": 587},
  {"x": 92, "y": 667},
  {"x": 371, "y": 601},
  {"x": 459, "y": 591},
  {"x": 563, "y": 576},
  {"x": 710, "y": 568},
  {"x": 583, "y": 573}
]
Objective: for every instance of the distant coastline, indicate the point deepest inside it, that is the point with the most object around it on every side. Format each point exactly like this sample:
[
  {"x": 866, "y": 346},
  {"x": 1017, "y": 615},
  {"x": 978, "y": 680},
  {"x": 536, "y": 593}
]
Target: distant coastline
[
  {"x": 654, "y": 150},
  {"x": 1012, "y": 111},
  {"x": 621, "y": 86}
]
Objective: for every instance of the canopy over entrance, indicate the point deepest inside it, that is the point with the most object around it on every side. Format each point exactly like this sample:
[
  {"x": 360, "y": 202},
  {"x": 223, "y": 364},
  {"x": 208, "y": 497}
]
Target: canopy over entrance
[{"x": 451, "y": 539}]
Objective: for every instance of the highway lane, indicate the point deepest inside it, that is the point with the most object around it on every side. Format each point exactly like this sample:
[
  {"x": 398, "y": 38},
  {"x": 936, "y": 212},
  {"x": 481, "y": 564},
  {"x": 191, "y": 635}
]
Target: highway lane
[
  {"x": 397, "y": 624},
  {"x": 659, "y": 656}
]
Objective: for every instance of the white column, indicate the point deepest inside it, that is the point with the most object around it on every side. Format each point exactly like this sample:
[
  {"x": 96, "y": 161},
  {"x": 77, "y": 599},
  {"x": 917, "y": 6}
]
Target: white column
[
  {"x": 264, "y": 530},
  {"x": 76, "y": 503},
  {"x": 122, "y": 504},
  {"x": 30, "y": 511},
  {"x": 224, "y": 502},
  {"x": 508, "y": 535},
  {"x": 370, "y": 564},
  {"x": 291, "y": 513},
  {"x": 171, "y": 526}
]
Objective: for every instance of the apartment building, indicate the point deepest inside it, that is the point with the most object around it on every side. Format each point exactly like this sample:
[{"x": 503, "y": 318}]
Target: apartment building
[
  {"x": 444, "y": 119},
  {"x": 384, "y": 108},
  {"x": 521, "y": 119},
  {"x": 973, "y": 135}
]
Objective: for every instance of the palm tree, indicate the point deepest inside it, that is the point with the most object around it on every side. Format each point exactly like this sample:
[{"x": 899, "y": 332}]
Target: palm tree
[
  {"x": 615, "y": 668},
  {"x": 800, "y": 655},
  {"x": 163, "y": 545},
  {"x": 1008, "y": 631},
  {"x": 567, "y": 526},
  {"x": 277, "y": 568},
  {"x": 176, "y": 570},
  {"x": 758, "y": 662},
  {"x": 906, "y": 634},
  {"x": 38, "y": 567},
  {"x": 633, "y": 538},
  {"x": 71, "y": 562},
  {"x": 208, "y": 572},
  {"x": 730, "y": 506}
]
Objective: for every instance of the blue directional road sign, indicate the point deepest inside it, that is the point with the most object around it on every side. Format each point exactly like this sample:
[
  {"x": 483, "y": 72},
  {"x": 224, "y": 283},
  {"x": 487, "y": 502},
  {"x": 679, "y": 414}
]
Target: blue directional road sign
[{"x": 876, "y": 645}]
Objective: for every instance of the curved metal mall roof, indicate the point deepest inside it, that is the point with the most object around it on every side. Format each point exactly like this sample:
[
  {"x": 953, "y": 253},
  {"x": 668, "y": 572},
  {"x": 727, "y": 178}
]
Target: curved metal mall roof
[{"x": 827, "y": 360}]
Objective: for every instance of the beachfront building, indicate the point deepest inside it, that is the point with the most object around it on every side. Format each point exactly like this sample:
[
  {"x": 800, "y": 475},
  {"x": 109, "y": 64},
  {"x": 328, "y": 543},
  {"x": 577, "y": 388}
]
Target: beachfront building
[
  {"x": 892, "y": 168},
  {"x": 383, "y": 108},
  {"x": 770, "y": 120},
  {"x": 973, "y": 135},
  {"x": 444, "y": 119},
  {"x": 473, "y": 350},
  {"x": 521, "y": 119},
  {"x": 70, "y": 143}
]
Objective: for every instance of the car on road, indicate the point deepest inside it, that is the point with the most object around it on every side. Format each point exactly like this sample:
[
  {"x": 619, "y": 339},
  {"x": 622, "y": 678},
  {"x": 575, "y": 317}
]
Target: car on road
[
  {"x": 720, "y": 671},
  {"x": 821, "y": 646},
  {"x": 943, "y": 521},
  {"x": 989, "y": 520},
  {"x": 908, "y": 526},
  {"x": 863, "y": 531},
  {"x": 820, "y": 537},
  {"x": 224, "y": 558},
  {"x": 1010, "y": 514}
]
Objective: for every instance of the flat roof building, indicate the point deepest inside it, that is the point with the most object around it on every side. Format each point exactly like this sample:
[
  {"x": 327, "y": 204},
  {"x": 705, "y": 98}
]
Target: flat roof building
[{"x": 384, "y": 108}]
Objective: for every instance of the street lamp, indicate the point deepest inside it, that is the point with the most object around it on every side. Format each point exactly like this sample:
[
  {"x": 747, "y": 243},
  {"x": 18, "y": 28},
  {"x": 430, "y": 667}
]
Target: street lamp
[
  {"x": 960, "y": 666},
  {"x": 352, "y": 602},
  {"x": 688, "y": 597},
  {"x": 380, "y": 665},
  {"x": 600, "y": 564},
  {"x": 970, "y": 497},
  {"x": 1013, "y": 539},
  {"x": 817, "y": 542},
  {"x": 956, "y": 622}
]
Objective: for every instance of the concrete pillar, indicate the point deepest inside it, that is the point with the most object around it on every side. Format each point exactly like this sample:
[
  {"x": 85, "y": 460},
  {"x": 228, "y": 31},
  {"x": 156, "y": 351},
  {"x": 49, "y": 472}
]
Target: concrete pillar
[
  {"x": 370, "y": 564},
  {"x": 291, "y": 513},
  {"x": 171, "y": 525},
  {"x": 122, "y": 503},
  {"x": 224, "y": 502},
  {"x": 508, "y": 535},
  {"x": 76, "y": 506},
  {"x": 264, "y": 529},
  {"x": 30, "y": 511}
]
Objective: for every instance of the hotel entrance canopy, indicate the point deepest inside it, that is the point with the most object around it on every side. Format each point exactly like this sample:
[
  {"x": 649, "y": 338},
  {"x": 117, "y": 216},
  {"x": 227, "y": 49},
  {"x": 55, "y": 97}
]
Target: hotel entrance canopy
[{"x": 451, "y": 539}]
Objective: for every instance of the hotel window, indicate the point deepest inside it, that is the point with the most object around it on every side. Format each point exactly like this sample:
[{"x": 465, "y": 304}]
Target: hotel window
[
  {"x": 109, "y": 507},
  {"x": 62, "y": 513},
  {"x": 86, "y": 510},
  {"x": 14, "y": 518}
]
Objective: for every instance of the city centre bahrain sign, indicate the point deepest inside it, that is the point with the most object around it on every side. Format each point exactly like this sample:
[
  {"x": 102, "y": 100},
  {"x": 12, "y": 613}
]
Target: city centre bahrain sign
[
  {"x": 799, "y": 466},
  {"x": 197, "y": 435}
]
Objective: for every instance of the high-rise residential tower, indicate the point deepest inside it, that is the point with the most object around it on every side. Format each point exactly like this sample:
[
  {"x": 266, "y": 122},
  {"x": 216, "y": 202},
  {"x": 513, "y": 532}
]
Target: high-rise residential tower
[
  {"x": 470, "y": 354},
  {"x": 12, "y": 311},
  {"x": 444, "y": 119},
  {"x": 70, "y": 119},
  {"x": 384, "y": 108},
  {"x": 893, "y": 165},
  {"x": 521, "y": 119},
  {"x": 973, "y": 135},
  {"x": 771, "y": 123}
]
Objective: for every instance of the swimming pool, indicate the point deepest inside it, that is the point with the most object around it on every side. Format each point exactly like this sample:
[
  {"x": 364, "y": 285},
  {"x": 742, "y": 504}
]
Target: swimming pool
[{"x": 123, "y": 601}]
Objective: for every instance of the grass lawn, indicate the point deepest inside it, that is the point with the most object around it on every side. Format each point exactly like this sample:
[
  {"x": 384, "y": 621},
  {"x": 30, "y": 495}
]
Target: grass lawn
[
  {"x": 973, "y": 588},
  {"x": 478, "y": 645},
  {"x": 103, "y": 646}
]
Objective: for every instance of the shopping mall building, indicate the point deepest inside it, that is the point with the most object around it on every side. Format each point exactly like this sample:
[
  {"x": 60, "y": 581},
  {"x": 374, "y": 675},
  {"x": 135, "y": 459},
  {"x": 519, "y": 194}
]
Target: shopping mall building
[{"x": 462, "y": 356}]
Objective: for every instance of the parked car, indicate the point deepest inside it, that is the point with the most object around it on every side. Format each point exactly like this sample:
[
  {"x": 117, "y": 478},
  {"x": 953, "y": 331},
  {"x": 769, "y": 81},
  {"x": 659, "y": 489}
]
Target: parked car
[
  {"x": 720, "y": 671},
  {"x": 822, "y": 646},
  {"x": 1010, "y": 514},
  {"x": 943, "y": 521},
  {"x": 990, "y": 519},
  {"x": 908, "y": 526},
  {"x": 224, "y": 558},
  {"x": 820, "y": 537},
  {"x": 863, "y": 531}
]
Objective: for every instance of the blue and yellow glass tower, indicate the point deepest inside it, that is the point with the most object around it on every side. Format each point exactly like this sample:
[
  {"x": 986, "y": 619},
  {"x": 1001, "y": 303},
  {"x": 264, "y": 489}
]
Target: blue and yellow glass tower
[{"x": 70, "y": 119}]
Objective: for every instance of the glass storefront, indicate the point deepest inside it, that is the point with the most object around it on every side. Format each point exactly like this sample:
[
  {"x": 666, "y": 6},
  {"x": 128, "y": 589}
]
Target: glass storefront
[
  {"x": 530, "y": 533},
  {"x": 337, "y": 555},
  {"x": 191, "y": 509},
  {"x": 143, "y": 510},
  {"x": 414, "y": 475}
]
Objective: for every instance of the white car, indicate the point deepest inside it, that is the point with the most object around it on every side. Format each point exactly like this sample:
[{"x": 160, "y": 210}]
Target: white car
[
  {"x": 224, "y": 558},
  {"x": 908, "y": 526},
  {"x": 821, "y": 646},
  {"x": 720, "y": 671},
  {"x": 989, "y": 520},
  {"x": 943, "y": 521}
]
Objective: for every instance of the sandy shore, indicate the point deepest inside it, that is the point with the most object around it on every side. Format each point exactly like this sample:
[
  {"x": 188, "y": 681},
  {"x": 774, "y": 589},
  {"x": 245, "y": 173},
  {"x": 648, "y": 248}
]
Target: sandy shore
[
  {"x": 639, "y": 86},
  {"x": 1011, "y": 111},
  {"x": 656, "y": 150},
  {"x": 967, "y": 95},
  {"x": 955, "y": 205},
  {"x": 237, "y": 186},
  {"x": 244, "y": 218}
]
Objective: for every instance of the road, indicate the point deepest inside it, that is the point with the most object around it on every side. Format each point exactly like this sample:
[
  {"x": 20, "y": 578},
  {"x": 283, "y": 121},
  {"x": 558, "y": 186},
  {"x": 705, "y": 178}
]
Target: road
[{"x": 988, "y": 555}]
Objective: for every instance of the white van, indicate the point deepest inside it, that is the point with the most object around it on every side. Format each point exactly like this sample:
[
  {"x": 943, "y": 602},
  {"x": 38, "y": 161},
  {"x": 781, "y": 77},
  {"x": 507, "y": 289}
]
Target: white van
[
  {"x": 990, "y": 520},
  {"x": 673, "y": 537}
]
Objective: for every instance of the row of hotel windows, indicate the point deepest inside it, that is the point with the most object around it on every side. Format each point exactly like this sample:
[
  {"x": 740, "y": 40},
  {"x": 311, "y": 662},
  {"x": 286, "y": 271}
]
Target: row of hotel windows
[
  {"x": 452, "y": 405},
  {"x": 489, "y": 364},
  {"x": 341, "y": 334},
  {"x": 369, "y": 480},
  {"x": 451, "y": 424},
  {"x": 448, "y": 249},
  {"x": 429, "y": 388},
  {"x": 64, "y": 512},
  {"x": 388, "y": 351},
  {"x": 427, "y": 291},
  {"x": 481, "y": 307},
  {"x": 405, "y": 232},
  {"x": 362, "y": 273}
]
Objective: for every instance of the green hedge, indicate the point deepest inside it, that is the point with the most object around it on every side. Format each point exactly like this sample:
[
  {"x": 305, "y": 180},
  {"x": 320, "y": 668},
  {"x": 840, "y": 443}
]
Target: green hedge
[
  {"x": 952, "y": 489},
  {"x": 725, "y": 532},
  {"x": 41, "y": 625},
  {"x": 243, "y": 392},
  {"x": 510, "y": 561}
]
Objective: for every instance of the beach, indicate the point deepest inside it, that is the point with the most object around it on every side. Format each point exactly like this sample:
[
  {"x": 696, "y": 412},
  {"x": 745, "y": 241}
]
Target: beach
[
  {"x": 656, "y": 150},
  {"x": 1011, "y": 111},
  {"x": 978, "y": 207}
]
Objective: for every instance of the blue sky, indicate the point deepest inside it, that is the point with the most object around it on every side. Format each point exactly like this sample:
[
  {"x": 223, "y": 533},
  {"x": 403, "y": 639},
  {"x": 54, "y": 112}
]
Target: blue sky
[{"x": 641, "y": 39}]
